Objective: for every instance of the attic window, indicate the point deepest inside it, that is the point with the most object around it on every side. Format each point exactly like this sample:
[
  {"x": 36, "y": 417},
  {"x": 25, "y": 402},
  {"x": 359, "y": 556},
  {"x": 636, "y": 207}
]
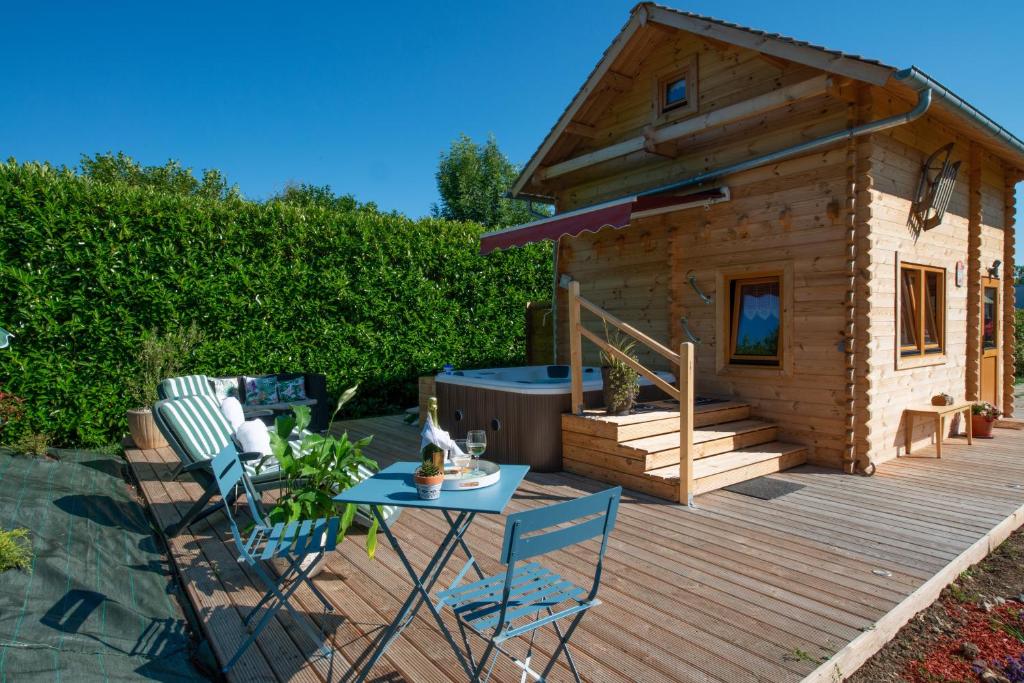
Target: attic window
[{"x": 675, "y": 92}]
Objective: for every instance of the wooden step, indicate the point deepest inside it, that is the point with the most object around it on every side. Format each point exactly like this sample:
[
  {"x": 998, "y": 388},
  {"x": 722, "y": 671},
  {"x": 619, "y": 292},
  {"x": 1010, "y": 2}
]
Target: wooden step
[
  {"x": 739, "y": 465},
  {"x": 662, "y": 419},
  {"x": 653, "y": 452},
  {"x": 652, "y": 486}
]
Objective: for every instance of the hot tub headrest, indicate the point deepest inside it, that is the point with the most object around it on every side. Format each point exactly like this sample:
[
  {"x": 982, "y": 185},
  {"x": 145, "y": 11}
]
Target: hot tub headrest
[{"x": 558, "y": 371}]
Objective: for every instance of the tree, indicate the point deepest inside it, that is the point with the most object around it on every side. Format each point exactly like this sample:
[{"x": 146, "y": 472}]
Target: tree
[
  {"x": 472, "y": 180},
  {"x": 1019, "y": 275},
  {"x": 305, "y": 194},
  {"x": 172, "y": 176}
]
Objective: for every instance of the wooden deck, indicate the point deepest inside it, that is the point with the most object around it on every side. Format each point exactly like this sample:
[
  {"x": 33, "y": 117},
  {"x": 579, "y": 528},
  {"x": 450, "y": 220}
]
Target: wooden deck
[{"x": 804, "y": 587}]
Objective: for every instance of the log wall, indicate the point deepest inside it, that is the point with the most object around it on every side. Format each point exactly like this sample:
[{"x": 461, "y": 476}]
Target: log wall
[{"x": 971, "y": 232}]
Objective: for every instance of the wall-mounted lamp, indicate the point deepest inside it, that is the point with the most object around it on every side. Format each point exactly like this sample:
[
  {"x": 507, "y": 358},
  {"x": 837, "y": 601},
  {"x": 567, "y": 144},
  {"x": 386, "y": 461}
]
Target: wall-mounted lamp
[
  {"x": 993, "y": 271},
  {"x": 5, "y": 338}
]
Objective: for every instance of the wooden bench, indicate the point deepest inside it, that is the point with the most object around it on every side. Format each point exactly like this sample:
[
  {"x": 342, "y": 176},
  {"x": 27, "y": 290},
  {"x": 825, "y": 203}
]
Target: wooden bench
[{"x": 938, "y": 415}]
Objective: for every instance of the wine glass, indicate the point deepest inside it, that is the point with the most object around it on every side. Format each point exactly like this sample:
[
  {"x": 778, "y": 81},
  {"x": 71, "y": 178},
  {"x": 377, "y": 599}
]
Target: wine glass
[
  {"x": 461, "y": 461},
  {"x": 477, "y": 442}
]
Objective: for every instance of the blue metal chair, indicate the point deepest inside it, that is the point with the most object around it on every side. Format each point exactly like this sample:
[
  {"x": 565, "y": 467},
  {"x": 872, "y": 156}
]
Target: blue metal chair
[
  {"x": 292, "y": 542},
  {"x": 528, "y": 596}
]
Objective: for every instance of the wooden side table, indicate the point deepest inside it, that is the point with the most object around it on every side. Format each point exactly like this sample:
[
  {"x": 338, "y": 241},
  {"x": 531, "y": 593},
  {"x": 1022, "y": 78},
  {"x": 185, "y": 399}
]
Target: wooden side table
[{"x": 938, "y": 415}]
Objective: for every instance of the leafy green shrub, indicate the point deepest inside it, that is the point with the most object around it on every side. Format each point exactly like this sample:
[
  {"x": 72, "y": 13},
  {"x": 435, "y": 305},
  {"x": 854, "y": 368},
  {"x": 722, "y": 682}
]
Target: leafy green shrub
[
  {"x": 36, "y": 444},
  {"x": 87, "y": 266},
  {"x": 160, "y": 356},
  {"x": 15, "y": 550}
]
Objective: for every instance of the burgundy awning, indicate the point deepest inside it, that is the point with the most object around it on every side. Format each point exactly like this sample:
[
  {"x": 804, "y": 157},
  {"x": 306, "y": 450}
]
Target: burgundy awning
[{"x": 615, "y": 214}]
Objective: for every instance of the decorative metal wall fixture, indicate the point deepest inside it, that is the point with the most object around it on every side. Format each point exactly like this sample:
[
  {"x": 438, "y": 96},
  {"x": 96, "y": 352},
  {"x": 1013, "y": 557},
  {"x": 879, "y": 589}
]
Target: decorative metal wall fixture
[{"x": 934, "y": 189}]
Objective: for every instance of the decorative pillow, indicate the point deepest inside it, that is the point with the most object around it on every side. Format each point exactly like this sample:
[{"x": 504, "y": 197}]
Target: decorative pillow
[
  {"x": 260, "y": 391},
  {"x": 289, "y": 390},
  {"x": 253, "y": 437},
  {"x": 224, "y": 387},
  {"x": 232, "y": 411}
]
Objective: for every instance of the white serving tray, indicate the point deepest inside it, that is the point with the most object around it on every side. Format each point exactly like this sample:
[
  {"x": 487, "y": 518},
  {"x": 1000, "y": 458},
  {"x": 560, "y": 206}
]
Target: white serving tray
[{"x": 487, "y": 473}]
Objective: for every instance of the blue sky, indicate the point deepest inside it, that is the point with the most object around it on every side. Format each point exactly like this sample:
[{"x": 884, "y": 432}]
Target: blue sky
[{"x": 364, "y": 96}]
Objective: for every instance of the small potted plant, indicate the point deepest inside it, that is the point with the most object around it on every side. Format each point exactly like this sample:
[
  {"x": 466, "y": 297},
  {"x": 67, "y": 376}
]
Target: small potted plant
[
  {"x": 983, "y": 417},
  {"x": 621, "y": 383},
  {"x": 159, "y": 356},
  {"x": 428, "y": 478}
]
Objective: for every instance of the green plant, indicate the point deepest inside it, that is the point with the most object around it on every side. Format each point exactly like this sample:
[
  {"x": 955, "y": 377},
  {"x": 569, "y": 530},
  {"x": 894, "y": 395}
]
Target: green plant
[
  {"x": 429, "y": 469},
  {"x": 88, "y": 264},
  {"x": 1018, "y": 342},
  {"x": 317, "y": 469},
  {"x": 622, "y": 383},
  {"x": 11, "y": 407},
  {"x": 160, "y": 356},
  {"x": 986, "y": 410},
  {"x": 36, "y": 444},
  {"x": 473, "y": 181},
  {"x": 15, "y": 550}
]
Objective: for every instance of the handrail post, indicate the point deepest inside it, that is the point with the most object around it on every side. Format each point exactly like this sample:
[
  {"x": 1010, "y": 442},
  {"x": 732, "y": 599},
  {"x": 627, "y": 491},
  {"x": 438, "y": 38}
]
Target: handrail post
[
  {"x": 686, "y": 423},
  {"x": 575, "y": 348}
]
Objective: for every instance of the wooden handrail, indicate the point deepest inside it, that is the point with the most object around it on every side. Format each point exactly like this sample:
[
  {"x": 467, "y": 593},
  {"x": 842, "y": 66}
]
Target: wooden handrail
[
  {"x": 686, "y": 423},
  {"x": 684, "y": 360},
  {"x": 630, "y": 330},
  {"x": 625, "y": 358},
  {"x": 575, "y": 348}
]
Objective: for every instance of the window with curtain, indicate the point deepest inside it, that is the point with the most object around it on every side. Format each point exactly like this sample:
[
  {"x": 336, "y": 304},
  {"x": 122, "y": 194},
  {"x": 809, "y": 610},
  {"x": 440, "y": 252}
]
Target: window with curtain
[{"x": 756, "y": 321}]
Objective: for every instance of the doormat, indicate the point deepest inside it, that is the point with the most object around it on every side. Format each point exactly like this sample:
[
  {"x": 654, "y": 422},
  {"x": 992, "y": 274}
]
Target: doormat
[{"x": 764, "y": 488}]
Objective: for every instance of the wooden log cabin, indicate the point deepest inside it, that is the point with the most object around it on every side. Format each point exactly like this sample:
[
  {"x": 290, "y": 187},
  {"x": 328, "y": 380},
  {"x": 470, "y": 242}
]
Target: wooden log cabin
[{"x": 831, "y": 236}]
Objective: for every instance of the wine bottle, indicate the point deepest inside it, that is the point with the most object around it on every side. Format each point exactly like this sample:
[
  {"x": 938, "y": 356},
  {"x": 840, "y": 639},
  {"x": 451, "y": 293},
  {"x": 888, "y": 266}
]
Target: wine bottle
[{"x": 432, "y": 452}]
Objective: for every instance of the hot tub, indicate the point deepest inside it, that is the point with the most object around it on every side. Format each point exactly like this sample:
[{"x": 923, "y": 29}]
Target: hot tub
[{"x": 520, "y": 408}]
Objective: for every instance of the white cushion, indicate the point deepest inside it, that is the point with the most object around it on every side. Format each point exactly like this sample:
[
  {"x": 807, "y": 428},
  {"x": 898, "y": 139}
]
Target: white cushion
[
  {"x": 231, "y": 407},
  {"x": 253, "y": 437}
]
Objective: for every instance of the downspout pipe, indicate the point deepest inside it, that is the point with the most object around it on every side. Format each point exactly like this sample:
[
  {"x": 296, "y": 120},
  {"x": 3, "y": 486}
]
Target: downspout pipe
[
  {"x": 918, "y": 79},
  {"x": 924, "y": 101}
]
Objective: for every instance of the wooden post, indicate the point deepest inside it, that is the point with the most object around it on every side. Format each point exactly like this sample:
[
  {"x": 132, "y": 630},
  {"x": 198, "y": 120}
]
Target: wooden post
[
  {"x": 686, "y": 423},
  {"x": 575, "y": 348}
]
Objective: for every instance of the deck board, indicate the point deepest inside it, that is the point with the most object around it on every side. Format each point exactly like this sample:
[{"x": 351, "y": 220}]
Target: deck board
[{"x": 729, "y": 591}]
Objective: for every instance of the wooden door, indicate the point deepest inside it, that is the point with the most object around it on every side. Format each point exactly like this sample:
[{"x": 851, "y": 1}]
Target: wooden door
[{"x": 991, "y": 340}]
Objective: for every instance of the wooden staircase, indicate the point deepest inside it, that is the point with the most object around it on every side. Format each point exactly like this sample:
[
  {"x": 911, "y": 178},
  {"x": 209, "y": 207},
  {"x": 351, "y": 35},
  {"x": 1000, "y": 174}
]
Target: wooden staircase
[{"x": 641, "y": 451}]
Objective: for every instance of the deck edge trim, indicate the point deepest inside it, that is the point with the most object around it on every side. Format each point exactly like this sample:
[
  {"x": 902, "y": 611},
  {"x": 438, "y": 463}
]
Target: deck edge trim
[{"x": 845, "y": 663}]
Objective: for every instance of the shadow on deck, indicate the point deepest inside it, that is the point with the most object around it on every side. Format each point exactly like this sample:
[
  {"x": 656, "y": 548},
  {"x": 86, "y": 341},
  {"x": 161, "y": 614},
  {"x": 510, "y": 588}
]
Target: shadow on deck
[{"x": 803, "y": 587}]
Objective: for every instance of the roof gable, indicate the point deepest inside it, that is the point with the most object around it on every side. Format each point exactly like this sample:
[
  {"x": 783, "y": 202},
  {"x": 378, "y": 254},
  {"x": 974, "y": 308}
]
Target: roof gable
[{"x": 648, "y": 24}]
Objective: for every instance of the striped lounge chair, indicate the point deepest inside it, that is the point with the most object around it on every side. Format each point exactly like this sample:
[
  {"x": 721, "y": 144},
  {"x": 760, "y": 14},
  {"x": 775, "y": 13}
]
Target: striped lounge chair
[
  {"x": 197, "y": 432},
  {"x": 189, "y": 385}
]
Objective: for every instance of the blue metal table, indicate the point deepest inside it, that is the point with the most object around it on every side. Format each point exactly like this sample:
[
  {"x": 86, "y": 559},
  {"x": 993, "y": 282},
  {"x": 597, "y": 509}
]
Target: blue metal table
[{"x": 394, "y": 486}]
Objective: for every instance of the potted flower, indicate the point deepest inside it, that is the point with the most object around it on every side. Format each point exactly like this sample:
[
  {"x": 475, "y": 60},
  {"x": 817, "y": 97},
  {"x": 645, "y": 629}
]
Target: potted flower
[
  {"x": 620, "y": 382},
  {"x": 159, "y": 356},
  {"x": 983, "y": 417},
  {"x": 315, "y": 469},
  {"x": 428, "y": 478}
]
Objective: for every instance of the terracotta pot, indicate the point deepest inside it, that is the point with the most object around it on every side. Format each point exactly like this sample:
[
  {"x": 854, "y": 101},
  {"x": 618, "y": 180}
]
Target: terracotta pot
[
  {"x": 143, "y": 429},
  {"x": 981, "y": 427},
  {"x": 428, "y": 488}
]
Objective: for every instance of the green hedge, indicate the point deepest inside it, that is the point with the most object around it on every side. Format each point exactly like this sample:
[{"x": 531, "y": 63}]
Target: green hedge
[
  {"x": 1018, "y": 346},
  {"x": 359, "y": 295}
]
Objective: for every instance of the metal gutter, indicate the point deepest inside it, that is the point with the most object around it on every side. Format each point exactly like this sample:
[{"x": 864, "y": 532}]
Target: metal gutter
[
  {"x": 918, "y": 79},
  {"x": 924, "y": 101}
]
